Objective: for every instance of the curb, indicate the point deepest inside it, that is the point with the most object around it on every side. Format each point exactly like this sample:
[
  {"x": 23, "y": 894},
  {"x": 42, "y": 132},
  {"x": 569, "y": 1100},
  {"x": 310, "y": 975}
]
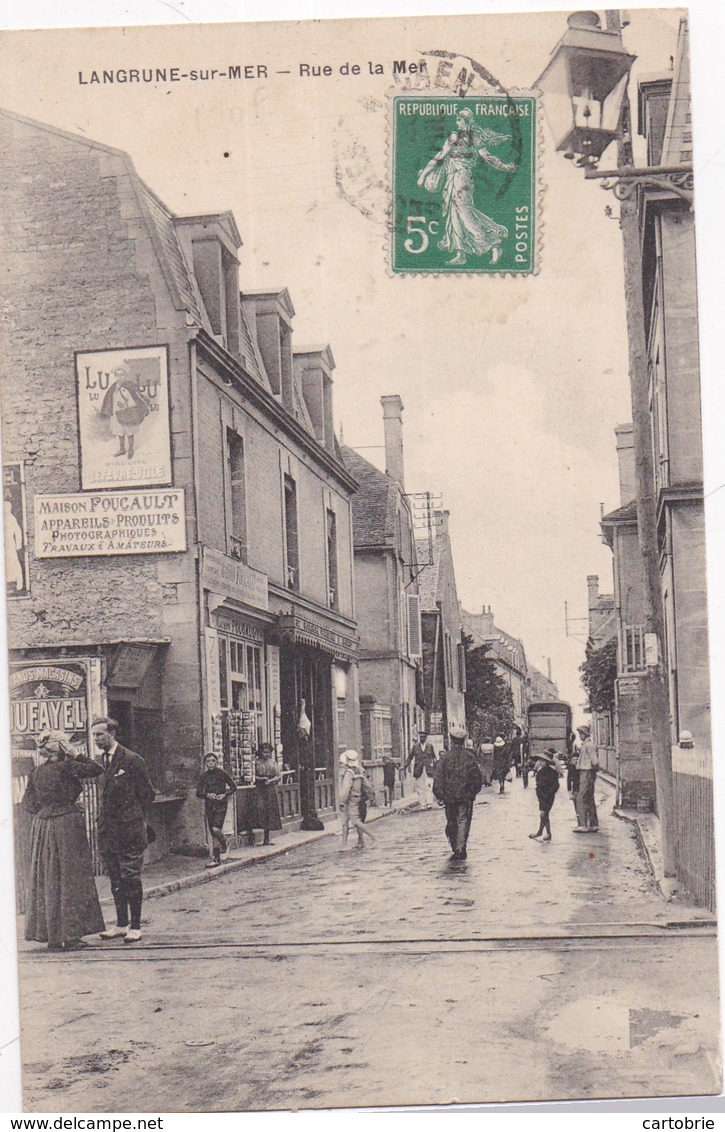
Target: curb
[
  {"x": 648, "y": 842},
  {"x": 209, "y": 875}
]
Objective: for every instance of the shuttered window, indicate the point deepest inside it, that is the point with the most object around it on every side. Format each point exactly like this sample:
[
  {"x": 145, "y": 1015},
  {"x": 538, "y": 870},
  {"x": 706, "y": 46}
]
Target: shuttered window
[{"x": 415, "y": 636}]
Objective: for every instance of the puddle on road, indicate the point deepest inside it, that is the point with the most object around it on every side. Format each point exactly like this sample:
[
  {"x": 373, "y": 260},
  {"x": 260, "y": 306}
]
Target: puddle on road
[{"x": 604, "y": 1025}]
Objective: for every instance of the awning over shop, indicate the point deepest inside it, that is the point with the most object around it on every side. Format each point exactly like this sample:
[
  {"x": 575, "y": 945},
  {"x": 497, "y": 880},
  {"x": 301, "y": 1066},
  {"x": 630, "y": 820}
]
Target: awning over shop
[{"x": 306, "y": 631}]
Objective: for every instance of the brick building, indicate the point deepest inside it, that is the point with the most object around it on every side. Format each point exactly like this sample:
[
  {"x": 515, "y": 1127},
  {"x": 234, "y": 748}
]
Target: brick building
[
  {"x": 188, "y": 563},
  {"x": 388, "y": 604}
]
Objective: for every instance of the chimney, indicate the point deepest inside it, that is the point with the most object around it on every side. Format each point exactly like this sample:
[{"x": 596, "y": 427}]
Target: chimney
[
  {"x": 593, "y": 591},
  {"x": 393, "y": 426},
  {"x": 625, "y": 456},
  {"x": 548, "y": 669},
  {"x": 486, "y": 622}
]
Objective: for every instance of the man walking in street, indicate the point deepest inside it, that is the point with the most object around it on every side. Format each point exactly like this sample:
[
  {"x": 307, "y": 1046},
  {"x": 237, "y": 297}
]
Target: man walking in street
[
  {"x": 457, "y": 782},
  {"x": 587, "y": 765},
  {"x": 125, "y": 791},
  {"x": 423, "y": 757}
]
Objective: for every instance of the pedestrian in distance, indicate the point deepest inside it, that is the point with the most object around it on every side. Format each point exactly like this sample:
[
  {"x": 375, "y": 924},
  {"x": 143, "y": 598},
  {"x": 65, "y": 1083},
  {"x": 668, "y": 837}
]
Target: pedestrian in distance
[
  {"x": 126, "y": 793},
  {"x": 423, "y": 757},
  {"x": 63, "y": 905},
  {"x": 216, "y": 788},
  {"x": 587, "y": 765},
  {"x": 501, "y": 763},
  {"x": 572, "y": 776},
  {"x": 525, "y": 760},
  {"x": 354, "y": 790},
  {"x": 457, "y": 781},
  {"x": 516, "y": 749},
  {"x": 484, "y": 757},
  {"x": 265, "y": 802},
  {"x": 388, "y": 781},
  {"x": 547, "y": 784}
]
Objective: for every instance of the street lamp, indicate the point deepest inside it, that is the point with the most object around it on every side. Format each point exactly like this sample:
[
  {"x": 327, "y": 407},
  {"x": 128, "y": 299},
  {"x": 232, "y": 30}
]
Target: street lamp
[
  {"x": 586, "y": 101},
  {"x": 584, "y": 86},
  {"x": 586, "y": 105}
]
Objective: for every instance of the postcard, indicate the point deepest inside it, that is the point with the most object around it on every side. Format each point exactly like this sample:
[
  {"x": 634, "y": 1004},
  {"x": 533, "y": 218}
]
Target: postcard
[{"x": 357, "y": 619}]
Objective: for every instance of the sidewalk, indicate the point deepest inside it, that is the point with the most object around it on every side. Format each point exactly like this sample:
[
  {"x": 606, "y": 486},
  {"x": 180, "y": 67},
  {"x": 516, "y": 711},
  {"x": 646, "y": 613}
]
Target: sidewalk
[{"x": 174, "y": 873}]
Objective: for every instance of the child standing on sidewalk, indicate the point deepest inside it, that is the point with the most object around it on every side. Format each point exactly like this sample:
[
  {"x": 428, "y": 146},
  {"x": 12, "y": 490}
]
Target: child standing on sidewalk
[{"x": 216, "y": 788}]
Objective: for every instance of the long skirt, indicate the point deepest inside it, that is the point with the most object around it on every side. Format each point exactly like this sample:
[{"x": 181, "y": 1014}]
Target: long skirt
[
  {"x": 63, "y": 901},
  {"x": 266, "y": 808}
]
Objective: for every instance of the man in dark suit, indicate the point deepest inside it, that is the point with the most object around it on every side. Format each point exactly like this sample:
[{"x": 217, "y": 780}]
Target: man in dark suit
[
  {"x": 457, "y": 781},
  {"x": 125, "y": 791}
]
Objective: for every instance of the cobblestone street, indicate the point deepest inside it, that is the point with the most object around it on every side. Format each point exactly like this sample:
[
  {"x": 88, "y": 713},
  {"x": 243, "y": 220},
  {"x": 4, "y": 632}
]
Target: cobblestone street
[{"x": 390, "y": 976}]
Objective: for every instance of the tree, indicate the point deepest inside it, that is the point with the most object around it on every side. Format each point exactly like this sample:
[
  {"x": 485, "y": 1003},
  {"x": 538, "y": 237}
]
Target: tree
[
  {"x": 599, "y": 674},
  {"x": 489, "y": 700}
]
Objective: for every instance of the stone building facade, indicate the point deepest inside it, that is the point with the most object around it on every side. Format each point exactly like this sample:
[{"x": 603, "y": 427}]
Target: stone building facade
[
  {"x": 189, "y": 565},
  {"x": 671, "y": 325},
  {"x": 444, "y": 667},
  {"x": 388, "y": 603},
  {"x": 631, "y": 733}
]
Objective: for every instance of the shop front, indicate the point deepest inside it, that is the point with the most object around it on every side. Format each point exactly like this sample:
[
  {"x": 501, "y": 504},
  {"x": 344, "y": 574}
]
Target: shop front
[
  {"x": 318, "y": 709},
  {"x": 242, "y": 675}
]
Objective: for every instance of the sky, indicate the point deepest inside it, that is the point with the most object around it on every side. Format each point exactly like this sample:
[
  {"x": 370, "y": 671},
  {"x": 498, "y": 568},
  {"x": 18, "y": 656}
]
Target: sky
[{"x": 512, "y": 388}]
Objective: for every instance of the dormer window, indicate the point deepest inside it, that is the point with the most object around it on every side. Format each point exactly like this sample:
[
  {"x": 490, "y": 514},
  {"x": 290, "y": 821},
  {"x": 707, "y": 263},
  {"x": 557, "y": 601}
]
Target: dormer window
[{"x": 212, "y": 243}]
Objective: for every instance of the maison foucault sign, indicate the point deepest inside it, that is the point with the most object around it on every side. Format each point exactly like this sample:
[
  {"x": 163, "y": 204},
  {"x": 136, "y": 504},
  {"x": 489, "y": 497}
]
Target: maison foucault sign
[{"x": 109, "y": 523}]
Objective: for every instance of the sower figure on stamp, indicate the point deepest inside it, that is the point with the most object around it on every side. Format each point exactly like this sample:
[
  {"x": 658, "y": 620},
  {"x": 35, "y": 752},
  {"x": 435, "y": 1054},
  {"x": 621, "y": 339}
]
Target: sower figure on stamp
[
  {"x": 216, "y": 788},
  {"x": 466, "y": 230},
  {"x": 423, "y": 757},
  {"x": 125, "y": 793},
  {"x": 457, "y": 781}
]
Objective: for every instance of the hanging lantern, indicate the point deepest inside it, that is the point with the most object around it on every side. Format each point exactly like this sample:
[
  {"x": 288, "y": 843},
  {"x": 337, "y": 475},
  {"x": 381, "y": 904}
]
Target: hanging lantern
[{"x": 584, "y": 86}]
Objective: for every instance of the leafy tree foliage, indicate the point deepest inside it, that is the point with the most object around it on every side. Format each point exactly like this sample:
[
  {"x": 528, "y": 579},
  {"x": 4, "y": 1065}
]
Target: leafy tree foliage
[
  {"x": 489, "y": 700},
  {"x": 599, "y": 673}
]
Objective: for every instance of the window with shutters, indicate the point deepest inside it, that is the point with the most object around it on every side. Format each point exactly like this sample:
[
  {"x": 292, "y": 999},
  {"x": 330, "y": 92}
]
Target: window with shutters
[
  {"x": 461, "y": 667},
  {"x": 291, "y": 533},
  {"x": 633, "y": 658},
  {"x": 415, "y": 635},
  {"x": 332, "y": 576},
  {"x": 237, "y": 496}
]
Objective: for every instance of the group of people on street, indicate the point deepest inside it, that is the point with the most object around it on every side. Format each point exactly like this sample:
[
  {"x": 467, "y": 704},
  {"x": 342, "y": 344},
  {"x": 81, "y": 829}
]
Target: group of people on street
[
  {"x": 63, "y": 903},
  {"x": 459, "y": 778}
]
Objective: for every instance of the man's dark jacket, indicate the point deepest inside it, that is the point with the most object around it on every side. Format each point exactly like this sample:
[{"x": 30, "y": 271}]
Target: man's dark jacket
[
  {"x": 125, "y": 791},
  {"x": 458, "y": 777}
]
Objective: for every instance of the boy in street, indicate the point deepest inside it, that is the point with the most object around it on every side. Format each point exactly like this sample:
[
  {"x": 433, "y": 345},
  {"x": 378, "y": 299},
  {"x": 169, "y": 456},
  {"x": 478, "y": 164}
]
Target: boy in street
[{"x": 216, "y": 788}]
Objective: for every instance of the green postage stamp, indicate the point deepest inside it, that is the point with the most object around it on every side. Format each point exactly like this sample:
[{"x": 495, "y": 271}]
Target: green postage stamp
[{"x": 464, "y": 184}]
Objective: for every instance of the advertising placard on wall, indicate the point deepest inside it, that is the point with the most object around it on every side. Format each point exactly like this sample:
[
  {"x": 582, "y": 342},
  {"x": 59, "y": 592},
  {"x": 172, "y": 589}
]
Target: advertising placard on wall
[
  {"x": 109, "y": 523},
  {"x": 15, "y": 524},
  {"x": 123, "y": 417},
  {"x": 53, "y": 695}
]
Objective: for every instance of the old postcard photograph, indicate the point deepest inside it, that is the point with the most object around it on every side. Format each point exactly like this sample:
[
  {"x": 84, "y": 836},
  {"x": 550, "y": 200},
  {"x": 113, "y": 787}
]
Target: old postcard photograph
[{"x": 360, "y": 739}]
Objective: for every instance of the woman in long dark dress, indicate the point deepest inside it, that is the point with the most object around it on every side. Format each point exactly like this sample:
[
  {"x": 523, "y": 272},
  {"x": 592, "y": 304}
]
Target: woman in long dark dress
[
  {"x": 266, "y": 802},
  {"x": 63, "y": 903}
]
